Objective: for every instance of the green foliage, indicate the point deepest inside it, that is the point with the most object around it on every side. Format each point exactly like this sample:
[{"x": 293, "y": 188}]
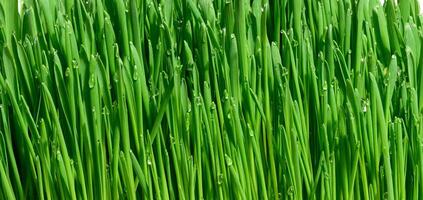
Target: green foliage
[{"x": 211, "y": 99}]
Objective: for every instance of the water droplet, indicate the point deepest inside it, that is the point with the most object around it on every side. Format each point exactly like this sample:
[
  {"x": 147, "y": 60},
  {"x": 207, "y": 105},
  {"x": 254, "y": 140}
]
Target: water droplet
[
  {"x": 75, "y": 64},
  {"x": 385, "y": 195},
  {"x": 149, "y": 161},
  {"x": 91, "y": 81},
  {"x": 198, "y": 101},
  {"x": 291, "y": 190},
  {"x": 189, "y": 108},
  {"x": 67, "y": 72},
  {"x": 225, "y": 95},
  {"x": 172, "y": 140},
  {"x": 116, "y": 77},
  {"x": 220, "y": 179},
  {"x": 295, "y": 43},
  {"x": 135, "y": 76},
  {"x": 228, "y": 160},
  {"x": 212, "y": 110},
  {"x": 250, "y": 130},
  {"x": 212, "y": 107},
  {"x": 105, "y": 111},
  {"x": 325, "y": 86},
  {"x": 326, "y": 175}
]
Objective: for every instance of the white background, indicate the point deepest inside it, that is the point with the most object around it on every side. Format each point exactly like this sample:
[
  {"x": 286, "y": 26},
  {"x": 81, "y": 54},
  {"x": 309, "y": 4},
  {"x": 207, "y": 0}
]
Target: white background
[{"x": 420, "y": 1}]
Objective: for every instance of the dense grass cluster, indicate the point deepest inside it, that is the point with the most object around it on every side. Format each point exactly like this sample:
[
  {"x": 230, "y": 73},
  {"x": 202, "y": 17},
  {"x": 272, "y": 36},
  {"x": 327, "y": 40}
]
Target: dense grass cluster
[{"x": 211, "y": 99}]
